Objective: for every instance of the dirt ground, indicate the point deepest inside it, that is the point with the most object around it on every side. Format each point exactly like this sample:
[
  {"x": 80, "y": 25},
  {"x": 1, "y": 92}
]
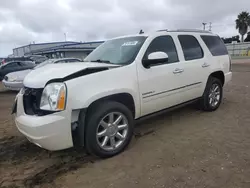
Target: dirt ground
[{"x": 185, "y": 149}]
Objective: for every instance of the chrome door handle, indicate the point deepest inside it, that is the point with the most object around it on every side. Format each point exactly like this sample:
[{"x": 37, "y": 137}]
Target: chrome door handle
[
  {"x": 204, "y": 65},
  {"x": 176, "y": 71}
]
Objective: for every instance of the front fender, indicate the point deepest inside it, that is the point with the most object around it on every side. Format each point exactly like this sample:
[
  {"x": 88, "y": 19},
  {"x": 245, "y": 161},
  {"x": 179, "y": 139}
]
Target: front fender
[
  {"x": 85, "y": 90},
  {"x": 81, "y": 103},
  {"x": 108, "y": 93}
]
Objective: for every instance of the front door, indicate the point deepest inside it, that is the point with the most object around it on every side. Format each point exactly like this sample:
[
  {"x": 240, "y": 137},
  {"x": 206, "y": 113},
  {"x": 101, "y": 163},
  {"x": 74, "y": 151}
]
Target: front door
[{"x": 159, "y": 84}]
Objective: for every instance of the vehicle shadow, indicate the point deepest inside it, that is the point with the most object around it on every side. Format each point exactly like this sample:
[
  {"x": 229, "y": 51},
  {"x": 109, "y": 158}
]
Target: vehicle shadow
[
  {"x": 3, "y": 91},
  {"x": 150, "y": 125},
  {"x": 17, "y": 150}
]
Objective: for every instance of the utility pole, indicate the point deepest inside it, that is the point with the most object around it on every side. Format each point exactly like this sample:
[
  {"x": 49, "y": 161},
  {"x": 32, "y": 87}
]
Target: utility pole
[
  {"x": 204, "y": 25},
  {"x": 210, "y": 26},
  {"x": 65, "y": 37}
]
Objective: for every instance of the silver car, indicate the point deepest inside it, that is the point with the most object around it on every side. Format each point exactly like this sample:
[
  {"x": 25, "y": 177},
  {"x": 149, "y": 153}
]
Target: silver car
[{"x": 14, "y": 81}]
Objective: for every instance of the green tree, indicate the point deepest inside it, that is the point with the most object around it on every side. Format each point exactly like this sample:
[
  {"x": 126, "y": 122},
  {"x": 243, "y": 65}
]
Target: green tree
[{"x": 242, "y": 23}]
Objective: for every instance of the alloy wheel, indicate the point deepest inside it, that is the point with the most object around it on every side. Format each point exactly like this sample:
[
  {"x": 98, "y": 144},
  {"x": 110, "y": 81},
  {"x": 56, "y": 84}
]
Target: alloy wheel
[
  {"x": 112, "y": 131},
  {"x": 214, "y": 95}
]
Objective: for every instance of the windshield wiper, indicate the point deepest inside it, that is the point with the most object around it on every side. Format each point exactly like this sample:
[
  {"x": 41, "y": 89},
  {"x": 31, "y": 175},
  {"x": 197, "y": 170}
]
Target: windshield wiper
[{"x": 103, "y": 61}]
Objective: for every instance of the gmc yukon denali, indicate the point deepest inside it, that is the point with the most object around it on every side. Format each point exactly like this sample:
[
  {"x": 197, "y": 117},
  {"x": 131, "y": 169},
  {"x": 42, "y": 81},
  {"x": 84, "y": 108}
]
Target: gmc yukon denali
[{"x": 94, "y": 104}]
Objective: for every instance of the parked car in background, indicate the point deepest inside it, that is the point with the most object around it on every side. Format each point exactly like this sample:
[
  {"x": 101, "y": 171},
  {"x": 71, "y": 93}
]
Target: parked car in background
[
  {"x": 37, "y": 59},
  {"x": 61, "y": 60},
  {"x": 15, "y": 66},
  {"x": 14, "y": 80},
  {"x": 95, "y": 104}
]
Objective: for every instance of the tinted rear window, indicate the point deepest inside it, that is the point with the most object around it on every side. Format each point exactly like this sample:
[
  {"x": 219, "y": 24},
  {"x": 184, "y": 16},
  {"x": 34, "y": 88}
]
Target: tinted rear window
[
  {"x": 191, "y": 47},
  {"x": 215, "y": 45}
]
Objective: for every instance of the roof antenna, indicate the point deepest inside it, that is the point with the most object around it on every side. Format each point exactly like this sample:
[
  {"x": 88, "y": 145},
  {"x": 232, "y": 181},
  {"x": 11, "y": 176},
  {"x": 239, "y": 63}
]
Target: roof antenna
[{"x": 141, "y": 31}]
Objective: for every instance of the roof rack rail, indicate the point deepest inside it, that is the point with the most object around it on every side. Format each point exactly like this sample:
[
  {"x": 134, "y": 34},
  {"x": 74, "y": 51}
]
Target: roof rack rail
[
  {"x": 189, "y": 30},
  {"x": 161, "y": 30}
]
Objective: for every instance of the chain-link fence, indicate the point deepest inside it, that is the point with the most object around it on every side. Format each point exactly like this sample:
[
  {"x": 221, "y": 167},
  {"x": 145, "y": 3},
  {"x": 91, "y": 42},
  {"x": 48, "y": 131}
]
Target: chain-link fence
[{"x": 239, "y": 50}]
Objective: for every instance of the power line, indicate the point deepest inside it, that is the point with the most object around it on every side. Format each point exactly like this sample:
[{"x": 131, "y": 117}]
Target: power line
[
  {"x": 217, "y": 25},
  {"x": 222, "y": 25}
]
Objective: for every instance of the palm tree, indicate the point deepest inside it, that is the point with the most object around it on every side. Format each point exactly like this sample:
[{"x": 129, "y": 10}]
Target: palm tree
[{"x": 242, "y": 23}]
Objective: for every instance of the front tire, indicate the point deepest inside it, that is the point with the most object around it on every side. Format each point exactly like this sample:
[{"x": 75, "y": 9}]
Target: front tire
[
  {"x": 212, "y": 96},
  {"x": 109, "y": 129}
]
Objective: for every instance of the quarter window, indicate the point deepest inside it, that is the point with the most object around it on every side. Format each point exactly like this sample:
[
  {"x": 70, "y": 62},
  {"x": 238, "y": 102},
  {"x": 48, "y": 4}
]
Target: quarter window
[
  {"x": 215, "y": 45},
  {"x": 163, "y": 44},
  {"x": 191, "y": 47}
]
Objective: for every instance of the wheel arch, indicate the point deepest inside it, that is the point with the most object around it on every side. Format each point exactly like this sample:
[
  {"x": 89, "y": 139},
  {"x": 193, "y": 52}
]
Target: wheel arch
[
  {"x": 123, "y": 98},
  {"x": 219, "y": 75}
]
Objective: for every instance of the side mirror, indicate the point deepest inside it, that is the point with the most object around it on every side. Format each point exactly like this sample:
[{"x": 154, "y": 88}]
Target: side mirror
[{"x": 155, "y": 58}]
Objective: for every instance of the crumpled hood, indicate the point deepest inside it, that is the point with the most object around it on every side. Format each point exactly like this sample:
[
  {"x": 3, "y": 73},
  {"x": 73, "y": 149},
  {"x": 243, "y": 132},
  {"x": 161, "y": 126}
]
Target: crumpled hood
[
  {"x": 39, "y": 77},
  {"x": 19, "y": 75}
]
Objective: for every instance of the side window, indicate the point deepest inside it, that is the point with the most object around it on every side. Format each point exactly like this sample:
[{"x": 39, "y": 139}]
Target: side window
[
  {"x": 163, "y": 44},
  {"x": 191, "y": 47},
  {"x": 25, "y": 64},
  {"x": 215, "y": 45},
  {"x": 11, "y": 65}
]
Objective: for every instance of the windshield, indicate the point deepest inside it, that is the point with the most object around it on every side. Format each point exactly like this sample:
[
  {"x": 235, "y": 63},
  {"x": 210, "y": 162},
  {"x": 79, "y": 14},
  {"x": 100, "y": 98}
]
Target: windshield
[
  {"x": 117, "y": 51},
  {"x": 44, "y": 63}
]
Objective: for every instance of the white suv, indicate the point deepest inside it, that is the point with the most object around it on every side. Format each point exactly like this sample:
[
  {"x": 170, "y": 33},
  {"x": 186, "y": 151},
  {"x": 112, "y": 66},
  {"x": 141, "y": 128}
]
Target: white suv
[{"x": 95, "y": 103}]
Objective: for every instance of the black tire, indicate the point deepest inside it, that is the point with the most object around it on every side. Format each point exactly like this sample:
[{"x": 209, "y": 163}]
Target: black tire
[
  {"x": 94, "y": 116},
  {"x": 204, "y": 103}
]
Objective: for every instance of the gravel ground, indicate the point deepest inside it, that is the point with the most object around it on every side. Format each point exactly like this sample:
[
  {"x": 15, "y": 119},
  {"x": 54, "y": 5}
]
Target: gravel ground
[{"x": 184, "y": 148}]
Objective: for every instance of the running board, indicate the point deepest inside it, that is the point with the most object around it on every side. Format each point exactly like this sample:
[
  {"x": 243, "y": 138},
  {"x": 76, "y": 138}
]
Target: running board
[{"x": 166, "y": 110}]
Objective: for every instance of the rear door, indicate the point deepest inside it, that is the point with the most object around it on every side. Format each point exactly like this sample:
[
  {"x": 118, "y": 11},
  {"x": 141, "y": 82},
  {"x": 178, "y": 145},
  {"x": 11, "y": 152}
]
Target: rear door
[{"x": 194, "y": 65}]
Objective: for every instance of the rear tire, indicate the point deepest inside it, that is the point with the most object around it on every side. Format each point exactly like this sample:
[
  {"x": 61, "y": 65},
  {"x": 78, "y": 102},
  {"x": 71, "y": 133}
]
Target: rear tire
[
  {"x": 109, "y": 129},
  {"x": 212, "y": 96}
]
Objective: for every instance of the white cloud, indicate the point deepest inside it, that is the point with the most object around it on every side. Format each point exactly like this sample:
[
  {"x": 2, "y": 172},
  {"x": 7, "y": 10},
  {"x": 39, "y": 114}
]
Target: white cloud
[{"x": 24, "y": 21}]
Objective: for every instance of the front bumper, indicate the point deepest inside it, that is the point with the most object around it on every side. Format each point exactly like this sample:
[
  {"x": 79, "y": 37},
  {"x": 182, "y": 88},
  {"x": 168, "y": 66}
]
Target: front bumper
[
  {"x": 51, "y": 132},
  {"x": 16, "y": 86}
]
